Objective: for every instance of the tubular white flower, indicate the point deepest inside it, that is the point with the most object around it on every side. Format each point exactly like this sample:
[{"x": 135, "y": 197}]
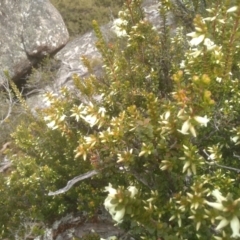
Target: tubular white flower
[
  {"x": 62, "y": 118},
  {"x": 91, "y": 120},
  {"x": 112, "y": 191},
  {"x": 182, "y": 64},
  {"x": 102, "y": 111},
  {"x": 197, "y": 40},
  {"x": 215, "y": 205},
  {"x": 217, "y": 194},
  {"x": 223, "y": 223},
  {"x": 118, "y": 216},
  {"x": 47, "y": 118},
  {"x": 90, "y": 140},
  {"x": 234, "y": 222},
  {"x": 234, "y": 139},
  {"x": 133, "y": 191},
  {"x": 202, "y": 120},
  {"x": 185, "y": 127},
  {"x": 107, "y": 202},
  {"x": 232, "y": 9},
  {"x": 52, "y": 125},
  {"x": 235, "y": 226},
  {"x": 109, "y": 206},
  {"x": 192, "y": 130},
  {"x": 186, "y": 166},
  {"x": 198, "y": 225},
  {"x": 167, "y": 115},
  {"x": 209, "y": 44}
]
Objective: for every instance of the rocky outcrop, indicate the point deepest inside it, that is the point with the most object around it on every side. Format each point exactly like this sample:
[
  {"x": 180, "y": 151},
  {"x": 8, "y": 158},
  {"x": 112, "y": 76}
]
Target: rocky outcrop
[
  {"x": 70, "y": 55},
  {"x": 29, "y": 30}
]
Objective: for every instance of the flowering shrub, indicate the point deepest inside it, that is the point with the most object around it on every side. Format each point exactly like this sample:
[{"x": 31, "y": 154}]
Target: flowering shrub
[{"x": 161, "y": 129}]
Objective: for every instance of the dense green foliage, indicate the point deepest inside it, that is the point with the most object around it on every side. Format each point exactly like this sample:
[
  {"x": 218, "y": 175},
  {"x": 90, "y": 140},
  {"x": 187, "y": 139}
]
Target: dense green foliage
[
  {"x": 78, "y": 14},
  {"x": 161, "y": 128}
]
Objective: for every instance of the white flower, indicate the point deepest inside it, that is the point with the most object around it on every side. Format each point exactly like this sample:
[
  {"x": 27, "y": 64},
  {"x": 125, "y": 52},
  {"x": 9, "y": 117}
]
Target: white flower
[
  {"x": 202, "y": 120},
  {"x": 195, "y": 52},
  {"x": 223, "y": 223},
  {"x": 109, "y": 206},
  {"x": 47, "y": 118},
  {"x": 102, "y": 111},
  {"x": 234, "y": 139},
  {"x": 62, "y": 118},
  {"x": 196, "y": 38},
  {"x": 118, "y": 26},
  {"x": 52, "y": 124},
  {"x": 133, "y": 190},
  {"x": 118, "y": 215},
  {"x": 91, "y": 120},
  {"x": 235, "y": 226},
  {"x": 187, "y": 126},
  {"x": 209, "y": 44},
  {"x": 234, "y": 222},
  {"x": 167, "y": 115},
  {"x": 90, "y": 140},
  {"x": 182, "y": 64},
  {"x": 112, "y": 191},
  {"x": 232, "y": 9},
  {"x": 215, "y": 205},
  {"x": 218, "y": 195},
  {"x": 186, "y": 166}
]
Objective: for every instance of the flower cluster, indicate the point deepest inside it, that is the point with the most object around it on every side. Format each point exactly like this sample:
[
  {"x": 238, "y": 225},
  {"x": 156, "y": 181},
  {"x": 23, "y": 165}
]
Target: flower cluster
[
  {"x": 188, "y": 125},
  {"x": 115, "y": 199},
  {"x": 118, "y": 27},
  {"x": 231, "y": 208}
]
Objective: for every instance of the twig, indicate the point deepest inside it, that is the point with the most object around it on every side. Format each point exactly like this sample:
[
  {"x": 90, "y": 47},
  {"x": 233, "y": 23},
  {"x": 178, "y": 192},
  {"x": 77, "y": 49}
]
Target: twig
[
  {"x": 73, "y": 181},
  {"x": 237, "y": 156},
  {"x": 221, "y": 166},
  {"x": 6, "y": 87}
]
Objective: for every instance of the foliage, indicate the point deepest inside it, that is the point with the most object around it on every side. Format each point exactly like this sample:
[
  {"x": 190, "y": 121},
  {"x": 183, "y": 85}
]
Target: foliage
[
  {"x": 42, "y": 75},
  {"x": 78, "y": 14},
  {"x": 11, "y": 111},
  {"x": 161, "y": 128}
]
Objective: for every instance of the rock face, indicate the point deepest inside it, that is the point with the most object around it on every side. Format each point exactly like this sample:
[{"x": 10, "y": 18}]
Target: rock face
[{"x": 29, "y": 30}]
